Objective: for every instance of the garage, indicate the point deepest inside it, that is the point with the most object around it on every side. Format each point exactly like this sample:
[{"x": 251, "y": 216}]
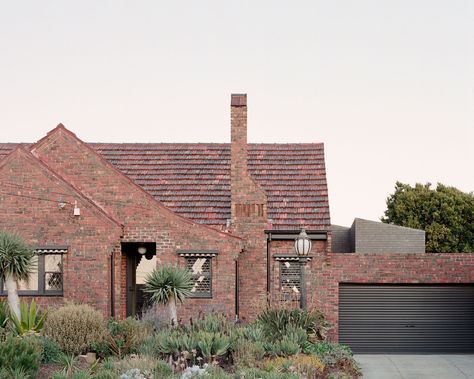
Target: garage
[{"x": 395, "y": 318}]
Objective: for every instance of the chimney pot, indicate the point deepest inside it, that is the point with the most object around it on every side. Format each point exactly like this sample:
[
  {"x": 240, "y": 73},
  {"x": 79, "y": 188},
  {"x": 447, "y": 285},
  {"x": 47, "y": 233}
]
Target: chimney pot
[{"x": 238, "y": 100}]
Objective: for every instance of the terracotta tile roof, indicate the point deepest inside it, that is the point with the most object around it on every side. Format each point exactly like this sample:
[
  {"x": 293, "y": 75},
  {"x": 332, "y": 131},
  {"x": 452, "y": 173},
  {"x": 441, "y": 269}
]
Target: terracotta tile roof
[{"x": 194, "y": 179}]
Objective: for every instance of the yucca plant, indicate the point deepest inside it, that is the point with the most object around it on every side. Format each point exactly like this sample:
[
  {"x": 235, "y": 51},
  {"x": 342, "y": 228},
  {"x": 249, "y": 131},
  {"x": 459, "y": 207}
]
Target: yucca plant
[
  {"x": 16, "y": 263},
  {"x": 30, "y": 321},
  {"x": 167, "y": 285}
]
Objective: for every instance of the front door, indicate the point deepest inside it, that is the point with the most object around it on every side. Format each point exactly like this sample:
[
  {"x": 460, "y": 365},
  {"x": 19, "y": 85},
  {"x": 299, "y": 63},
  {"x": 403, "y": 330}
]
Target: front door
[{"x": 141, "y": 260}]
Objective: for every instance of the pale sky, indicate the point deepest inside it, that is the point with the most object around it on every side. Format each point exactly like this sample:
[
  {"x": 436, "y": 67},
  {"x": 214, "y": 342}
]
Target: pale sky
[{"x": 388, "y": 86}]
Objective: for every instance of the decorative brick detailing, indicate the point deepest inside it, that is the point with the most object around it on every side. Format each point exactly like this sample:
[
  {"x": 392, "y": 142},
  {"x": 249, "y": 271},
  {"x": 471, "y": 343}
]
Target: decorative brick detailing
[{"x": 249, "y": 210}]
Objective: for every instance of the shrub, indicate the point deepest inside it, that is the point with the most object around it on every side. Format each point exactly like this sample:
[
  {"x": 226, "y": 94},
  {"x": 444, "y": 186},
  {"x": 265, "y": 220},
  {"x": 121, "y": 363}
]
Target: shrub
[
  {"x": 144, "y": 365},
  {"x": 51, "y": 350},
  {"x": 123, "y": 337},
  {"x": 212, "y": 323},
  {"x": 162, "y": 370},
  {"x": 283, "y": 348},
  {"x": 304, "y": 365},
  {"x": 80, "y": 375},
  {"x": 17, "y": 354},
  {"x": 330, "y": 353},
  {"x": 105, "y": 374},
  {"x": 275, "y": 322},
  {"x": 256, "y": 373},
  {"x": 75, "y": 328},
  {"x": 247, "y": 353}
]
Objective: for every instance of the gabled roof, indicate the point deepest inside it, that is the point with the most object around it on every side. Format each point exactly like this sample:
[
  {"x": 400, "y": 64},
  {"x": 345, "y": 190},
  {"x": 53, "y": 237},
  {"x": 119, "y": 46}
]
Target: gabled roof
[{"x": 193, "y": 180}]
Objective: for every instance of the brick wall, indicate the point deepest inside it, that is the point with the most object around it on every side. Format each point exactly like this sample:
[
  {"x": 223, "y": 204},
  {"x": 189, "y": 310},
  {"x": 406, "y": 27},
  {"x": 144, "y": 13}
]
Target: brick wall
[
  {"x": 423, "y": 268},
  {"x": 29, "y": 206},
  {"x": 144, "y": 219},
  {"x": 326, "y": 270}
]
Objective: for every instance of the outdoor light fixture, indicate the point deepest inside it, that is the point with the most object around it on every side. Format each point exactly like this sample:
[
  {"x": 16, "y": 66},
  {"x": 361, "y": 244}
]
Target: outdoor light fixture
[
  {"x": 142, "y": 250},
  {"x": 302, "y": 244},
  {"x": 302, "y": 249}
]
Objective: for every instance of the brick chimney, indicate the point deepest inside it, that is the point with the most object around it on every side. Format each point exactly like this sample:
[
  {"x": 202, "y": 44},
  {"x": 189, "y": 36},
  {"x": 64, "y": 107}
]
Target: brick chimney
[
  {"x": 249, "y": 215},
  {"x": 248, "y": 198}
]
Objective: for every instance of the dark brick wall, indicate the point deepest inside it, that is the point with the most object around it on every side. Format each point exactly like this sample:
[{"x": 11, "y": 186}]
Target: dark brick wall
[
  {"x": 376, "y": 237},
  {"x": 371, "y": 237}
]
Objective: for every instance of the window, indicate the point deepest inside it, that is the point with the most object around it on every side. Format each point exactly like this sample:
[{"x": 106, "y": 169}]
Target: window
[
  {"x": 199, "y": 264},
  {"x": 46, "y": 277},
  {"x": 290, "y": 277}
]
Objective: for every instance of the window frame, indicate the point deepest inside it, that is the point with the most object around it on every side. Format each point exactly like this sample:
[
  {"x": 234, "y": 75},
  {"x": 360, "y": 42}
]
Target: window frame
[
  {"x": 41, "y": 253},
  {"x": 196, "y": 254}
]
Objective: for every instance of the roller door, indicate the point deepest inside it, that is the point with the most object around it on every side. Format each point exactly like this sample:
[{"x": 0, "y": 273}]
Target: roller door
[{"x": 407, "y": 318}]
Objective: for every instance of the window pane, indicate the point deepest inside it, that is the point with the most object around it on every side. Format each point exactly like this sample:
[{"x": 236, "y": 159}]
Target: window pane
[
  {"x": 290, "y": 277},
  {"x": 200, "y": 269},
  {"x": 53, "y": 276},
  {"x": 32, "y": 283}
]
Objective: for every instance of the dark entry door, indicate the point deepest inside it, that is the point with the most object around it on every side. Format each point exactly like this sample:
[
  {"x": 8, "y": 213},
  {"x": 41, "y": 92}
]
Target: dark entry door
[
  {"x": 407, "y": 318},
  {"x": 131, "y": 284}
]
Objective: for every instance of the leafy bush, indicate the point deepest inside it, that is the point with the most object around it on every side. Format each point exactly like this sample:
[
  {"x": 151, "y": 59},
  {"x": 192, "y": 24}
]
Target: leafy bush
[
  {"x": 75, "y": 328},
  {"x": 18, "y": 355},
  {"x": 51, "y": 350},
  {"x": 275, "y": 323},
  {"x": 123, "y": 337}
]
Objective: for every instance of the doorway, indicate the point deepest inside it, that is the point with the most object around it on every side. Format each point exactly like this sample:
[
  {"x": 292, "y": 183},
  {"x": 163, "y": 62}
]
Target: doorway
[{"x": 141, "y": 260}]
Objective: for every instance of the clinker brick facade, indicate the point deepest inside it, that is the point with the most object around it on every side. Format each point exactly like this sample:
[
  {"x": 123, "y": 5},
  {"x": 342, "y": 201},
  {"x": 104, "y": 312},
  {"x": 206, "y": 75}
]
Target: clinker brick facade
[{"x": 239, "y": 206}]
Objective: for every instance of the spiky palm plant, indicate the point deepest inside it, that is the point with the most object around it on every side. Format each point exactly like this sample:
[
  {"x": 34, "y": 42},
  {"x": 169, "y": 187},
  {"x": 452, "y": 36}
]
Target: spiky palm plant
[
  {"x": 16, "y": 263},
  {"x": 167, "y": 285}
]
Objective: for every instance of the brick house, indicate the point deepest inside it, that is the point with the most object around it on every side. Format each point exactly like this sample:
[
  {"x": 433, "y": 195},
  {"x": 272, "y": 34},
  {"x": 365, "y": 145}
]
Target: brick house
[{"x": 102, "y": 215}]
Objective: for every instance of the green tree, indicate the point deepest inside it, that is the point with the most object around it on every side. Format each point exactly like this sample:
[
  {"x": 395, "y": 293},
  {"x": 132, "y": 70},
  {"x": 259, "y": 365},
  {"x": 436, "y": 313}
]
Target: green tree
[
  {"x": 445, "y": 213},
  {"x": 16, "y": 263},
  {"x": 167, "y": 285}
]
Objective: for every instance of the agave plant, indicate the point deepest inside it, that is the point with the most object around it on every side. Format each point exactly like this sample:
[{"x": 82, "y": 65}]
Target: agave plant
[
  {"x": 212, "y": 345},
  {"x": 168, "y": 285},
  {"x": 30, "y": 321}
]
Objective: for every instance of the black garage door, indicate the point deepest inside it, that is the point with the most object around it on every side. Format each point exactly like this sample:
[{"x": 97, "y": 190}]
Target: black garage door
[{"x": 407, "y": 318}]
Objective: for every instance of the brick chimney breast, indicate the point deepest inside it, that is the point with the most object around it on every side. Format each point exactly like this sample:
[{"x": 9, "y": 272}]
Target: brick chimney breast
[{"x": 248, "y": 198}]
